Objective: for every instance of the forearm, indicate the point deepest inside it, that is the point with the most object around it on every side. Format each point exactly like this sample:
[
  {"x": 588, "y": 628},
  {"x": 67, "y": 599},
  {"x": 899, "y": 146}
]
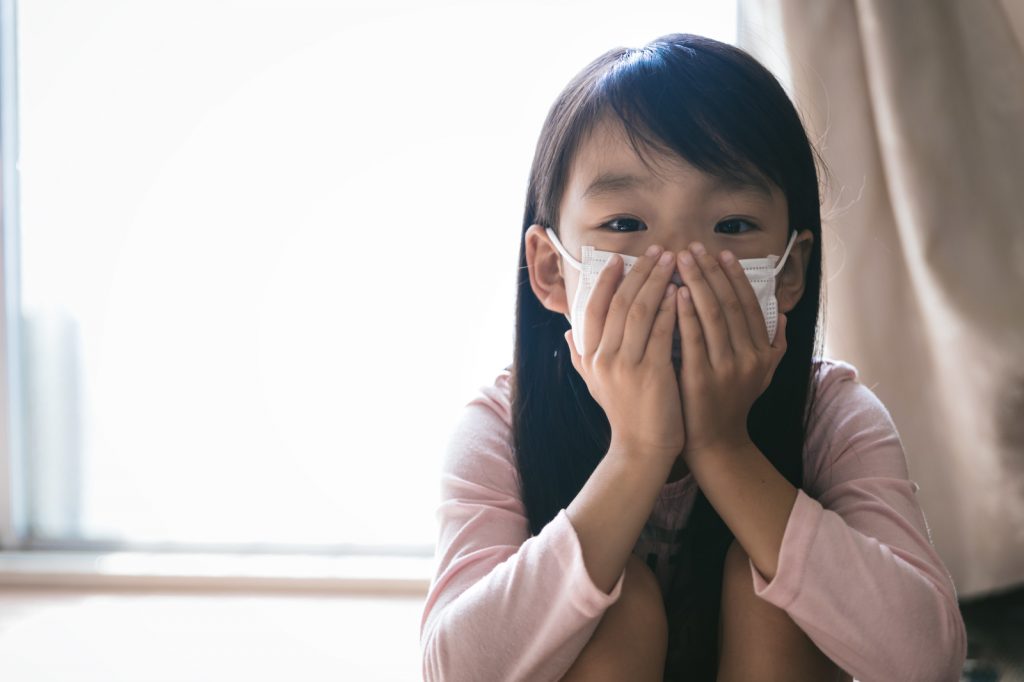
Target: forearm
[
  {"x": 610, "y": 510},
  {"x": 517, "y": 615},
  {"x": 878, "y": 610},
  {"x": 752, "y": 498}
]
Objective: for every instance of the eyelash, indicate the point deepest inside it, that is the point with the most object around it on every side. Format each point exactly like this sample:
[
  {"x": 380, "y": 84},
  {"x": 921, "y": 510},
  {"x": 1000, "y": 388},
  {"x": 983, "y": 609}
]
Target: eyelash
[{"x": 724, "y": 222}]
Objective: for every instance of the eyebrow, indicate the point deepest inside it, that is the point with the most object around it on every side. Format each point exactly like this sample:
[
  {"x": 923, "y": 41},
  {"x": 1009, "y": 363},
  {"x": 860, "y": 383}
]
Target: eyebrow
[
  {"x": 610, "y": 183},
  {"x": 742, "y": 185}
]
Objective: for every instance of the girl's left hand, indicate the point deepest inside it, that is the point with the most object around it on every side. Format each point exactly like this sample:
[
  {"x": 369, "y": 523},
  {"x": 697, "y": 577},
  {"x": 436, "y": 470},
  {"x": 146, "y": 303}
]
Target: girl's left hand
[{"x": 727, "y": 359}]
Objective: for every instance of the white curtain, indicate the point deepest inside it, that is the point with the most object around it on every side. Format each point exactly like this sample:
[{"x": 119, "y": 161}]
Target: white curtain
[{"x": 918, "y": 109}]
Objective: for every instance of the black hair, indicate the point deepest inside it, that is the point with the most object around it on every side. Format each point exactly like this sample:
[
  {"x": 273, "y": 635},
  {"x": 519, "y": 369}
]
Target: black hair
[{"x": 718, "y": 108}]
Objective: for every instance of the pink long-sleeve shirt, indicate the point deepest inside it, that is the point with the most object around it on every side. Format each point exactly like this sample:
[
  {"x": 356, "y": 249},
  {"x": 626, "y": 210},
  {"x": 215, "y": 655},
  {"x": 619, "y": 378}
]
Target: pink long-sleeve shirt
[{"x": 857, "y": 570}]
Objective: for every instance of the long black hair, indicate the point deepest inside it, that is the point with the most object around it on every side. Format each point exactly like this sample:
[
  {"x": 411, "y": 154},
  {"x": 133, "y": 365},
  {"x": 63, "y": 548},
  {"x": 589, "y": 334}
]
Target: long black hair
[{"x": 719, "y": 109}]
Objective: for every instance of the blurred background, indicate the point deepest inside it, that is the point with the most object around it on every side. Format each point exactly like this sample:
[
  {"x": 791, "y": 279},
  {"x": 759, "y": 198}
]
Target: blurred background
[{"x": 258, "y": 255}]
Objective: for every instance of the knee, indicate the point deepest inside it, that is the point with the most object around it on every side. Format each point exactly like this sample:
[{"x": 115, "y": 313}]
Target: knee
[
  {"x": 638, "y": 616},
  {"x": 759, "y": 640},
  {"x": 640, "y": 620},
  {"x": 736, "y": 560},
  {"x": 641, "y": 597},
  {"x": 631, "y": 641}
]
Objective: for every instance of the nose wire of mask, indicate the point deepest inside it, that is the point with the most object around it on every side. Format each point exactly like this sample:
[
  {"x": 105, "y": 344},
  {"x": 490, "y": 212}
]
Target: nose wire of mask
[{"x": 760, "y": 271}]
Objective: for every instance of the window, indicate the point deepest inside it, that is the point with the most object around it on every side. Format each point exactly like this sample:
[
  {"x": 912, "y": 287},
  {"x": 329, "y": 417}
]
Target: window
[{"x": 260, "y": 254}]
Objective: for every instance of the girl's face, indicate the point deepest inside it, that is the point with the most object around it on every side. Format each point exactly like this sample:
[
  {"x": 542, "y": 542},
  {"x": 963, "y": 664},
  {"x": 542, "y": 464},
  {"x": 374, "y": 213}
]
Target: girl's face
[{"x": 614, "y": 203}]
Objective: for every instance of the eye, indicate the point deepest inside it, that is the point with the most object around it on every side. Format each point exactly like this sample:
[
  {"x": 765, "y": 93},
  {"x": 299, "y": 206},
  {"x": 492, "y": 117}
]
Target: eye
[
  {"x": 732, "y": 226},
  {"x": 623, "y": 220}
]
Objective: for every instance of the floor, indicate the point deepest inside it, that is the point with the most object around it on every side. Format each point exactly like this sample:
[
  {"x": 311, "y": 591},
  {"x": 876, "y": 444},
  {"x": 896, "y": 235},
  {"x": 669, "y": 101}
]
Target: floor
[
  {"x": 70, "y": 636},
  {"x": 125, "y": 635}
]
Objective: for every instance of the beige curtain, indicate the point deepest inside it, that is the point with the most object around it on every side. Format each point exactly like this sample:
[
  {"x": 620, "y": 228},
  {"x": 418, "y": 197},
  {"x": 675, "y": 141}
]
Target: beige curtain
[{"x": 918, "y": 109}]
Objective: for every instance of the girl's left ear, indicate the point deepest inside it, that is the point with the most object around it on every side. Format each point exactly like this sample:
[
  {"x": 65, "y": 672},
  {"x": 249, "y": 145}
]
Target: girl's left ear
[{"x": 790, "y": 284}]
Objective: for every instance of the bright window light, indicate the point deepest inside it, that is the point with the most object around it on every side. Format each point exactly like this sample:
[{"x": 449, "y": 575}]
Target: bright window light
[{"x": 269, "y": 251}]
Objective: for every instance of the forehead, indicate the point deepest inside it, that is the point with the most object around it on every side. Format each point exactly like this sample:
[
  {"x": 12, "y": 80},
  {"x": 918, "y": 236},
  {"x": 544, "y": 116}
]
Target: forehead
[
  {"x": 607, "y": 149},
  {"x": 606, "y": 164}
]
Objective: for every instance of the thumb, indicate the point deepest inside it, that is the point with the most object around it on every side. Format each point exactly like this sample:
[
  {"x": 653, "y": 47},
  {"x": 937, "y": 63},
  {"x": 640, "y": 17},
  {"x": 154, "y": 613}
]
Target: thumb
[
  {"x": 780, "y": 333},
  {"x": 779, "y": 348},
  {"x": 573, "y": 355}
]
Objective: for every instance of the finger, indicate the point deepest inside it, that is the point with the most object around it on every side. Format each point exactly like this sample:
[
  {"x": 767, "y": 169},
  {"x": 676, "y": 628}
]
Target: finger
[
  {"x": 708, "y": 310},
  {"x": 645, "y": 307},
  {"x": 622, "y": 300},
  {"x": 596, "y": 309},
  {"x": 778, "y": 349},
  {"x": 691, "y": 336},
  {"x": 728, "y": 302},
  {"x": 780, "y": 343},
  {"x": 659, "y": 344},
  {"x": 574, "y": 357},
  {"x": 757, "y": 326}
]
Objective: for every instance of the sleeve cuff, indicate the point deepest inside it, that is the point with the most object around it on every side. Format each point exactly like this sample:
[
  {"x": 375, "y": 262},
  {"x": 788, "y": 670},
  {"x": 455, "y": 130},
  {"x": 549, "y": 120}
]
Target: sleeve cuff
[
  {"x": 588, "y": 597},
  {"x": 801, "y": 528}
]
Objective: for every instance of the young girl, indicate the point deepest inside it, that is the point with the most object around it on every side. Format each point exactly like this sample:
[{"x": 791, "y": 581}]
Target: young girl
[{"x": 670, "y": 482}]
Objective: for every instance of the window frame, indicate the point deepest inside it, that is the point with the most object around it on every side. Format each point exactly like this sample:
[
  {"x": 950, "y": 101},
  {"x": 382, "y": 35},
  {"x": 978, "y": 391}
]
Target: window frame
[{"x": 25, "y": 560}]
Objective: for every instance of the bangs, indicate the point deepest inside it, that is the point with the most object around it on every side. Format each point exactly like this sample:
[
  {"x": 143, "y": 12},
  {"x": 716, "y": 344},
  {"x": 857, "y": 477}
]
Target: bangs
[{"x": 675, "y": 104}]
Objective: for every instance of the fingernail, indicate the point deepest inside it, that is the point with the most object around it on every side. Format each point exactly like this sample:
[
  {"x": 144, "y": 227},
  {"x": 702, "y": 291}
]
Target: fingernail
[
  {"x": 653, "y": 250},
  {"x": 727, "y": 257},
  {"x": 665, "y": 259},
  {"x": 686, "y": 258},
  {"x": 698, "y": 249}
]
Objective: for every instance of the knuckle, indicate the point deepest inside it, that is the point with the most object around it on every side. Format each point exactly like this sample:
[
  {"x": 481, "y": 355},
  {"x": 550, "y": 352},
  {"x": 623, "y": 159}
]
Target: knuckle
[
  {"x": 617, "y": 305},
  {"x": 638, "y": 271},
  {"x": 734, "y": 306},
  {"x": 639, "y": 310}
]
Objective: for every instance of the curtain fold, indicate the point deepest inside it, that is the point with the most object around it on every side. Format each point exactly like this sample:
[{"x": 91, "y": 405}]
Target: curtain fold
[{"x": 917, "y": 108}]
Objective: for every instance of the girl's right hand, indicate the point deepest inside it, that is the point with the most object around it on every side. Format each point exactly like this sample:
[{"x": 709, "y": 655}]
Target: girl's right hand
[{"x": 627, "y": 355}]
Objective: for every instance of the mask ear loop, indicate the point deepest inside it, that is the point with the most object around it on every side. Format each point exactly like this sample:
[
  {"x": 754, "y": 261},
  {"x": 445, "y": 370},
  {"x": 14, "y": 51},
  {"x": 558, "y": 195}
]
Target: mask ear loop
[
  {"x": 778, "y": 268},
  {"x": 561, "y": 249},
  {"x": 568, "y": 256}
]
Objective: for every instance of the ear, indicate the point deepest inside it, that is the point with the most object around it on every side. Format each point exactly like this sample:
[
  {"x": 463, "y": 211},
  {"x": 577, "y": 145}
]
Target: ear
[
  {"x": 789, "y": 286},
  {"x": 544, "y": 263}
]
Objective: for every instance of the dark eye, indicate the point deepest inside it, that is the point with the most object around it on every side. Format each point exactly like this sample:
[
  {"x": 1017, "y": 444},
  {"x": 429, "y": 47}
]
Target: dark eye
[
  {"x": 611, "y": 224},
  {"x": 732, "y": 226}
]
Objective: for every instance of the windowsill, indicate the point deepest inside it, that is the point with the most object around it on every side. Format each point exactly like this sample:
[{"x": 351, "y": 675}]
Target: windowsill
[{"x": 383, "y": 575}]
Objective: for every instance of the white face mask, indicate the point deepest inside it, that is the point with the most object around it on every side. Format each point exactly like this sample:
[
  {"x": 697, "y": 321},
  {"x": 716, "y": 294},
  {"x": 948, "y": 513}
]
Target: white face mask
[{"x": 760, "y": 271}]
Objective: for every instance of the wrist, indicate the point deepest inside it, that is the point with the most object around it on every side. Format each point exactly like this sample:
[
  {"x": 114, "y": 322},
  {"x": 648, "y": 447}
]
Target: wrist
[
  {"x": 630, "y": 449},
  {"x": 717, "y": 449}
]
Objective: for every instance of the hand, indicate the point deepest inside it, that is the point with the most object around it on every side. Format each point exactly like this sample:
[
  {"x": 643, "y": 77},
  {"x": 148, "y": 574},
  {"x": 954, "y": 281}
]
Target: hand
[
  {"x": 627, "y": 355},
  {"x": 728, "y": 361}
]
